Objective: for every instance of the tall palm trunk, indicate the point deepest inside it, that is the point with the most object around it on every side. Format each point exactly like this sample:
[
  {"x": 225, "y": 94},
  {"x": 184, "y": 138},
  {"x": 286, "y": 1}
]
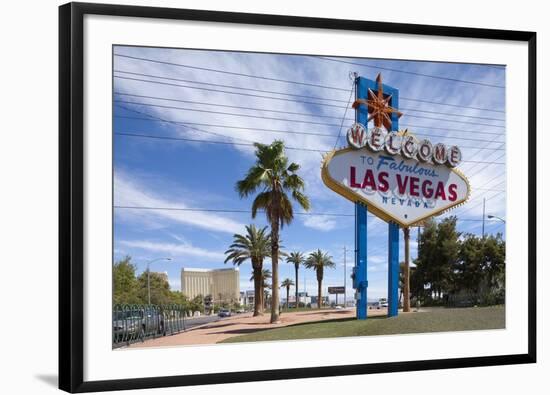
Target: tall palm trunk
[
  {"x": 258, "y": 308},
  {"x": 319, "y": 294},
  {"x": 319, "y": 286},
  {"x": 296, "y": 271},
  {"x": 275, "y": 267}
]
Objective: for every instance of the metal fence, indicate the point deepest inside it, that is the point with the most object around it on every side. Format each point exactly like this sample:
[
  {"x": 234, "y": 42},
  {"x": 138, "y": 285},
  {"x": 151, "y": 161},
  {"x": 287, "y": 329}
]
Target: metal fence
[{"x": 136, "y": 323}]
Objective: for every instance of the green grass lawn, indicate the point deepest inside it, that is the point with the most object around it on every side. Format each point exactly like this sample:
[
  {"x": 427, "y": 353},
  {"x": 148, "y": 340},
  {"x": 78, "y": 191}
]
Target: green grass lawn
[{"x": 428, "y": 320}]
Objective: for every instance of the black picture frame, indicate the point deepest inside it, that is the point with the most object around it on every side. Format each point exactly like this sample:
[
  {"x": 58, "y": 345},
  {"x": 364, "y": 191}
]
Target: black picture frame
[{"x": 71, "y": 196}]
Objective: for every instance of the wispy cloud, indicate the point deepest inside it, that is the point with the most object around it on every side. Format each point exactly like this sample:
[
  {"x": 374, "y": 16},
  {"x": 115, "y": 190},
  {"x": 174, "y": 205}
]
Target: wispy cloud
[
  {"x": 130, "y": 193},
  {"x": 173, "y": 249},
  {"x": 320, "y": 222}
]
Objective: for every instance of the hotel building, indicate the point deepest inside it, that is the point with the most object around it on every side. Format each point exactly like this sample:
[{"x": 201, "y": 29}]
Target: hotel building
[{"x": 221, "y": 284}]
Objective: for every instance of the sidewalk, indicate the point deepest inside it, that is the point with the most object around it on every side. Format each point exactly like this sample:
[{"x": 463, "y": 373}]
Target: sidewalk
[{"x": 243, "y": 324}]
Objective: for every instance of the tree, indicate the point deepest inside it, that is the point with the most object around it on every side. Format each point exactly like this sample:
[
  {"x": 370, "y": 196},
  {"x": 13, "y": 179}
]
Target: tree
[
  {"x": 125, "y": 285},
  {"x": 401, "y": 280},
  {"x": 438, "y": 248},
  {"x": 197, "y": 304},
  {"x": 480, "y": 269},
  {"x": 160, "y": 288},
  {"x": 318, "y": 260},
  {"x": 254, "y": 246},
  {"x": 495, "y": 265},
  {"x": 177, "y": 297},
  {"x": 277, "y": 179},
  {"x": 468, "y": 271},
  {"x": 265, "y": 275},
  {"x": 296, "y": 258},
  {"x": 287, "y": 283}
]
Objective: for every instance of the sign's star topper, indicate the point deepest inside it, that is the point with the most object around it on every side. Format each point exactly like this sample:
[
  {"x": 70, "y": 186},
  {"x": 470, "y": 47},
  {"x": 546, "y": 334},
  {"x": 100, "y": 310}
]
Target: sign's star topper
[{"x": 378, "y": 106}]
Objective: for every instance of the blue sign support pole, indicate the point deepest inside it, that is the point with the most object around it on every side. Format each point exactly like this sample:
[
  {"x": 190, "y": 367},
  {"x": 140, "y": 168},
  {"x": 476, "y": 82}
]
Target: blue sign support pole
[
  {"x": 360, "y": 271},
  {"x": 362, "y": 86},
  {"x": 393, "y": 268}
]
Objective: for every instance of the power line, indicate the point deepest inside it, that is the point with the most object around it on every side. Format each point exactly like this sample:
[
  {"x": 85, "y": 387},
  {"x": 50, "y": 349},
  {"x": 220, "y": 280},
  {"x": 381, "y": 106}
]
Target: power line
[
  {"x": 243, "y": 128},
  {"x": 474, "y": 166},
  {"x": 487, "y": 189},
  {"x": 491, "y": 189},
  {"x": 282, "y": 131},
  {"x": 479, "y": 204},
  {"x": 491, "y": 180},
  {"x": 228, "y": 113},
  {"x": 181, "y": 123},
  {"x": 303, "y": 96},
  {"x": 230, "y": 72},
  {"x": 293, "y": 100},
  {"x": 452, "y": 114},
  {"x": 345, "y": 112},
  {"x": 251, "y": 143},
  {"x": 284, "y": 93},
  {"x": 229, "y": 106},
  {"x": 290, "y": 131},
  {"x": 231, "y": 93},
  {"x": 299, "y": 113},
  {"x": 450, "y": 105},
  {"x": 275, "y": 118},
  {"x": 200, "y": 130},
  {"x": 411, "y": 72},
  {"x": 243, "y": 211},
  {"x": 227, "y": 86}
]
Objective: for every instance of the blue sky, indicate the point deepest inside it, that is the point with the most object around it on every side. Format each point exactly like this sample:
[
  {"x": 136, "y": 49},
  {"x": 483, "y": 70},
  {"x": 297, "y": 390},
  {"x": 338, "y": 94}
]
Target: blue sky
[{"x": 201, "y": 174}]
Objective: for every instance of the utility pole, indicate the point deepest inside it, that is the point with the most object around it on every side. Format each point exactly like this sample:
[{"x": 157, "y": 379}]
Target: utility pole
[
  {"x": 345, "y": 278},
  {"x": 483, "y": 223},
  {"x": 406, "y": 281}
]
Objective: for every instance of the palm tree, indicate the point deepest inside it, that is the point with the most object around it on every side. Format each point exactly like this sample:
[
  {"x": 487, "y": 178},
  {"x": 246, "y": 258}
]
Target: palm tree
[
  {"x": 277, "y": 179},
  {"x": 255, "y": 245},
  {"x": 402, "y": 267},
  {"x": 318, "y": 260},
  {"x": 265, "y": 275},
  {"x": 297, "y": 258},
  {"x": 287, "y": 283}
]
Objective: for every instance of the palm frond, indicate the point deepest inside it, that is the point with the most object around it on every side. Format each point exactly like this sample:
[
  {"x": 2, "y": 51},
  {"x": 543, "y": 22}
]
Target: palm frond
[
  {"x": 263, "y": 201},
  {"x": 286, "y": 213},
  {"x": 302, "y": 200}
]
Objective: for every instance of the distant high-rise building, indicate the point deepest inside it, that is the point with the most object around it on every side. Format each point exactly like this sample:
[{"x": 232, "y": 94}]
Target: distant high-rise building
[{"x": 221, "y": 284}]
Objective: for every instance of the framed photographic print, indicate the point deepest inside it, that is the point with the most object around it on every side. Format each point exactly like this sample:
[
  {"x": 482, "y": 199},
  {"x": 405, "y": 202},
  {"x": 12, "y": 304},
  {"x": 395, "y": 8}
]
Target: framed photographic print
[{"x": 358, "y": 195}]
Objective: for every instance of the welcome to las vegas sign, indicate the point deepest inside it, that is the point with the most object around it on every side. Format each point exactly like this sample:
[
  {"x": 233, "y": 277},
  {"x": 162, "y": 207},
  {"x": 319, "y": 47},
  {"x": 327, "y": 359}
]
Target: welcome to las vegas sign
[{"x": 398, "y": 177}]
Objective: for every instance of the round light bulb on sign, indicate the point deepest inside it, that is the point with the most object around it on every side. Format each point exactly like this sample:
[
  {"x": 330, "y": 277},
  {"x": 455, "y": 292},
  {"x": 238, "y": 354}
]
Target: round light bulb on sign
[
  {"x": 376, "y": 139},
  {"x": 454, "y": 156},
  {"x": 440, "y": 154},
  {"x": 425, "y": 150},
  {"x": 357, "y": 135},
  {"x": 393, "y": 143},
  {"x": 409, "y": 146}
]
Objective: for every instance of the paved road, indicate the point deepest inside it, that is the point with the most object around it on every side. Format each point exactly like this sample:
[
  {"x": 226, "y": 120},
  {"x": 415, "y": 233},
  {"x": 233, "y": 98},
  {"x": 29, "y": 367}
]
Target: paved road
[{"x": 196, "y": 321}]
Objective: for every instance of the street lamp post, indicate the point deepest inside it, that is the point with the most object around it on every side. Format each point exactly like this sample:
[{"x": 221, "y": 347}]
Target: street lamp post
[
  {"x": 149, "y": 276},
  {"x": 494, "y": 216}
]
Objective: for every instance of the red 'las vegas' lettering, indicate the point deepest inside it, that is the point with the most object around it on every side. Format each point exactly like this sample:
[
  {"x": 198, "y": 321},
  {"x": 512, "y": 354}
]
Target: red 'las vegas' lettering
[
  {"x": 402, "y": 184},
  {"x": 368, "y": 181},
  {"x": 406, "y": 185}
]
